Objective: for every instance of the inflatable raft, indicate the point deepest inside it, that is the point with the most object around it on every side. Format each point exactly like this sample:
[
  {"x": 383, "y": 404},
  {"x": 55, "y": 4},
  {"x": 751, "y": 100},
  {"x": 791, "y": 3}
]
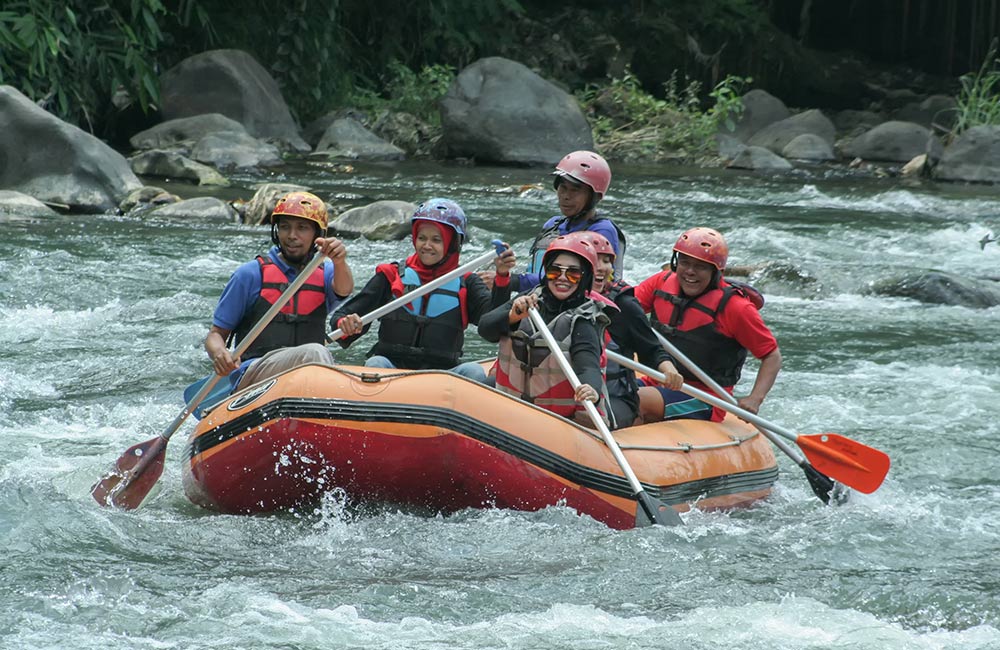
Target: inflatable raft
[{"x": 431, "y": 440}]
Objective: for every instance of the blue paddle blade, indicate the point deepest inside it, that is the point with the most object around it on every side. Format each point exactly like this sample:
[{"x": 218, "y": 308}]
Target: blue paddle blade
[{"x": 218, "y": 393}]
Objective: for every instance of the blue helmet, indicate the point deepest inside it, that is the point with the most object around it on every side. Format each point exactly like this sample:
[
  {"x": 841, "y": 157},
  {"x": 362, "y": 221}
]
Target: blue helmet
[{"x": 443, "y": 211}]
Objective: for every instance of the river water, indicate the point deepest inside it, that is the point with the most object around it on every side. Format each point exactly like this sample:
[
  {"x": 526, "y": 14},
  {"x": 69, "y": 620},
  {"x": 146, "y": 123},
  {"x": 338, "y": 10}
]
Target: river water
[{"x": 101, "y": 320}]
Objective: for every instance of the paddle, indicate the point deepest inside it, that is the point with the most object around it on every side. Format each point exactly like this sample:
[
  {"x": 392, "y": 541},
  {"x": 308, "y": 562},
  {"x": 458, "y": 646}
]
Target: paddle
[
  {"x": 137, "y": 470},
  {"x": 852, "y": 463},
  {"x": 656, "y": 511},
  {"x": 822, "y": 486}
]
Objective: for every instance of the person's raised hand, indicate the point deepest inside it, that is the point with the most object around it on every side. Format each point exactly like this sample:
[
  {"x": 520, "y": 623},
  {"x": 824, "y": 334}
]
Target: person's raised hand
[
  {"x": 332, "y": 247},
  {"x": 506, "y": 261}
]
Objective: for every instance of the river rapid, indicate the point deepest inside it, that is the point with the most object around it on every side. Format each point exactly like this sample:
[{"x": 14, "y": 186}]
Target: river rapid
[{"x": 101, "y": 322}]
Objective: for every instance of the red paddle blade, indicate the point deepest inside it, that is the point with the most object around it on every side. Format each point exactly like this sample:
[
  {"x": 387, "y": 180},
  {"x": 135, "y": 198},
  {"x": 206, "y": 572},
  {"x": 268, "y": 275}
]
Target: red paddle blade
[
  {"x": 855, "y": 465},
  {"x": 134, "y": 474}
]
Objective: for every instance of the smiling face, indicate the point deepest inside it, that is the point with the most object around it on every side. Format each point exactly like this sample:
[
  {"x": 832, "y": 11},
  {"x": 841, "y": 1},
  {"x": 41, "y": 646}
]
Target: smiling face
[
  {"x": 562, "y": 287},
  {"x": 604, "y": 271},
  {"x": 695, "y": 276},
  {"x": 573, "y": 197},
  {"x": 428, "y": 244},
  {"x": 296, "y": 236}
]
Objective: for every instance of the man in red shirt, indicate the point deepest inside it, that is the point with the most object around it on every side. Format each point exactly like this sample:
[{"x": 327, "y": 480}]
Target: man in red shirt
[{"x": 711, "y": 321}]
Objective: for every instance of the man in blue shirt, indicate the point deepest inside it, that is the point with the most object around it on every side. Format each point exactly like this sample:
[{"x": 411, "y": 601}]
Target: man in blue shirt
[{"x": 297, "y": 334}]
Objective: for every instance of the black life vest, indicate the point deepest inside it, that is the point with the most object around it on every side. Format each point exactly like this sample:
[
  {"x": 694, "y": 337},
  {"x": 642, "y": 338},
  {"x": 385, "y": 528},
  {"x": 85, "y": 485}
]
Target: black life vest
[
  {"x": 428, "y": 332},
  {"x": 690, "y": 324},
  {"x": 621, "y": 381},
  {"x": 301, "y": 320}
]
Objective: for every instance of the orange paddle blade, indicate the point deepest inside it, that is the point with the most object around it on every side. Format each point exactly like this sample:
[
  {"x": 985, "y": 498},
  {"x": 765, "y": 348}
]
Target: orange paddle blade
[
  {"x": 855, "y": 465},
  {"x": 133, "y": 475}
]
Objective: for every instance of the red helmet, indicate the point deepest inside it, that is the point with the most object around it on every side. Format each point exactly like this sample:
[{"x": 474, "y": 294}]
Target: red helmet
[
  {"x": 585, "y": 167},
  {"x": 578, "y": 243},
  {"x": 704, "y": 244},
  {"x": 602, "y": 245},
  {"x": 303, "y": 205}
]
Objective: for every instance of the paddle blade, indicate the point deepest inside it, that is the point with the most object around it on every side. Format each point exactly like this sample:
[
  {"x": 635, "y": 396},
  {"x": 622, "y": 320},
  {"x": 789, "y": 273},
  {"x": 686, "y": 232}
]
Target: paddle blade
[
  {"x": 855, "y": 465},
  {"x": 133, "y": 476},
  {"x": 825, "y": 487},
  {"x": 653, "y": 511}
]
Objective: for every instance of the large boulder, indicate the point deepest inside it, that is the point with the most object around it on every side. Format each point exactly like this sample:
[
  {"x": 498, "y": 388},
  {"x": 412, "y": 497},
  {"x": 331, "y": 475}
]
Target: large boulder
[
  {"x": 760, "y": 109},
  {"x": 499, "y": 111},
  {"x": 56, "y": 162},
  {"x": 240, "y": 150},
  {"x": 759, "y": 159},
  {"x": 15, "y": 204},
  {"x": 184, "y": 131},
  {"x": 170, "y": 164},
  {"x": 233, "y": 83},
  {"x": 939, "y": 111},
  {"x": 939, "y": 288},
  {"x": 347, "y": 138},
  {"x": 776, "y": 136},
  {"x": 895, "y": 141},
  {"x": 381, "y": 220},
  {"x": 973, "y": 157}
]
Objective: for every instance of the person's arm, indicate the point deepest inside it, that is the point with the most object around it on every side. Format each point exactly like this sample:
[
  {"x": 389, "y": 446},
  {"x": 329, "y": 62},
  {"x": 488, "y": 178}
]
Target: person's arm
[
  {"x": 741, "y": 320},
  {"x": 478, "y": 299},
  {"x": 234, "y": 304},
  {"x": 223, "y": 362},
  {"x": 770, "y": 364},
  {"x": 343, "y": 279},
  {"x": 375, "y": 293},
  {"x": 494, "y": 324},
  {"x": 504, "y": 319},
  {"x": 585, "y": 354},
  {"x": 502, "y": 287}
]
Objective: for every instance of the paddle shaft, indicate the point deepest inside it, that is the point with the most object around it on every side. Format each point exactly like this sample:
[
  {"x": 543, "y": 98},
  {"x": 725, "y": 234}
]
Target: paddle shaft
[
  {"x": 708, "y": 398},
  {"x": 670, "y": 516},
  {"x": 790, "y": 451},
  {"x": 424, "y": 289}
]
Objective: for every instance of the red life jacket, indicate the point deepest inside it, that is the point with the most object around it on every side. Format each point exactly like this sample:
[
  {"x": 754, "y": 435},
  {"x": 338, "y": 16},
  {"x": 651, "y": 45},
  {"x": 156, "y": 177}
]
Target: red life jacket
[
  {"x": 301, "y": 320},
  {"x": 527, "y": 370},
  {"x": 690, "y": 324}
]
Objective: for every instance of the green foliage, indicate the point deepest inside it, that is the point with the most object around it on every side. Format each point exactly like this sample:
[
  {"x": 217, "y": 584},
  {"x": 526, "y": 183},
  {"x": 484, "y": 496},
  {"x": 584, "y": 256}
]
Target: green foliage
[
  {"x": 979, "y": 100},
  {"x": 417, "y": 93},
  {"x": 74, "y": 56},
  {"x": 678, "y": 124}
]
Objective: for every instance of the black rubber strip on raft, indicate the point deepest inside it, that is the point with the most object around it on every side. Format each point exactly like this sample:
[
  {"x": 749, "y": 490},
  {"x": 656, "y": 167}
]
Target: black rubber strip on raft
[{"x": 311, "y": 408}]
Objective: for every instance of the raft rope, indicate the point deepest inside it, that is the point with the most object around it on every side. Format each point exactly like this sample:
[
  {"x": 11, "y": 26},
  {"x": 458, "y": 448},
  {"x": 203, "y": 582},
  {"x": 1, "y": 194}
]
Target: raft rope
[{"x": 734, "y": 440}]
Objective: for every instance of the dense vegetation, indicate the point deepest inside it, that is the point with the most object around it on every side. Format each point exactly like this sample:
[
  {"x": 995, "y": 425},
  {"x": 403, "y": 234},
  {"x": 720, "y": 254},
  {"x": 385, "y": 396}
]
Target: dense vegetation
[{"x": 638, "y": 66}]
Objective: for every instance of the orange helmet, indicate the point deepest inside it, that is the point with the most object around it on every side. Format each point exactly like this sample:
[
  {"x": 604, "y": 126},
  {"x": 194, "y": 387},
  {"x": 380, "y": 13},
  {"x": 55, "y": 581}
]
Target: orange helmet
[
  {"x": 303, "y": 205},
  {"x": 703, "y": 244}
]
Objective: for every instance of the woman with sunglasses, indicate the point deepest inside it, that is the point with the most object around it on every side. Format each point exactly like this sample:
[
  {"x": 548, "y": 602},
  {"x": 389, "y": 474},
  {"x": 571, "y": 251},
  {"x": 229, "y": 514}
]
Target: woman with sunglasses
[{"x": 525, "y": 367}]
